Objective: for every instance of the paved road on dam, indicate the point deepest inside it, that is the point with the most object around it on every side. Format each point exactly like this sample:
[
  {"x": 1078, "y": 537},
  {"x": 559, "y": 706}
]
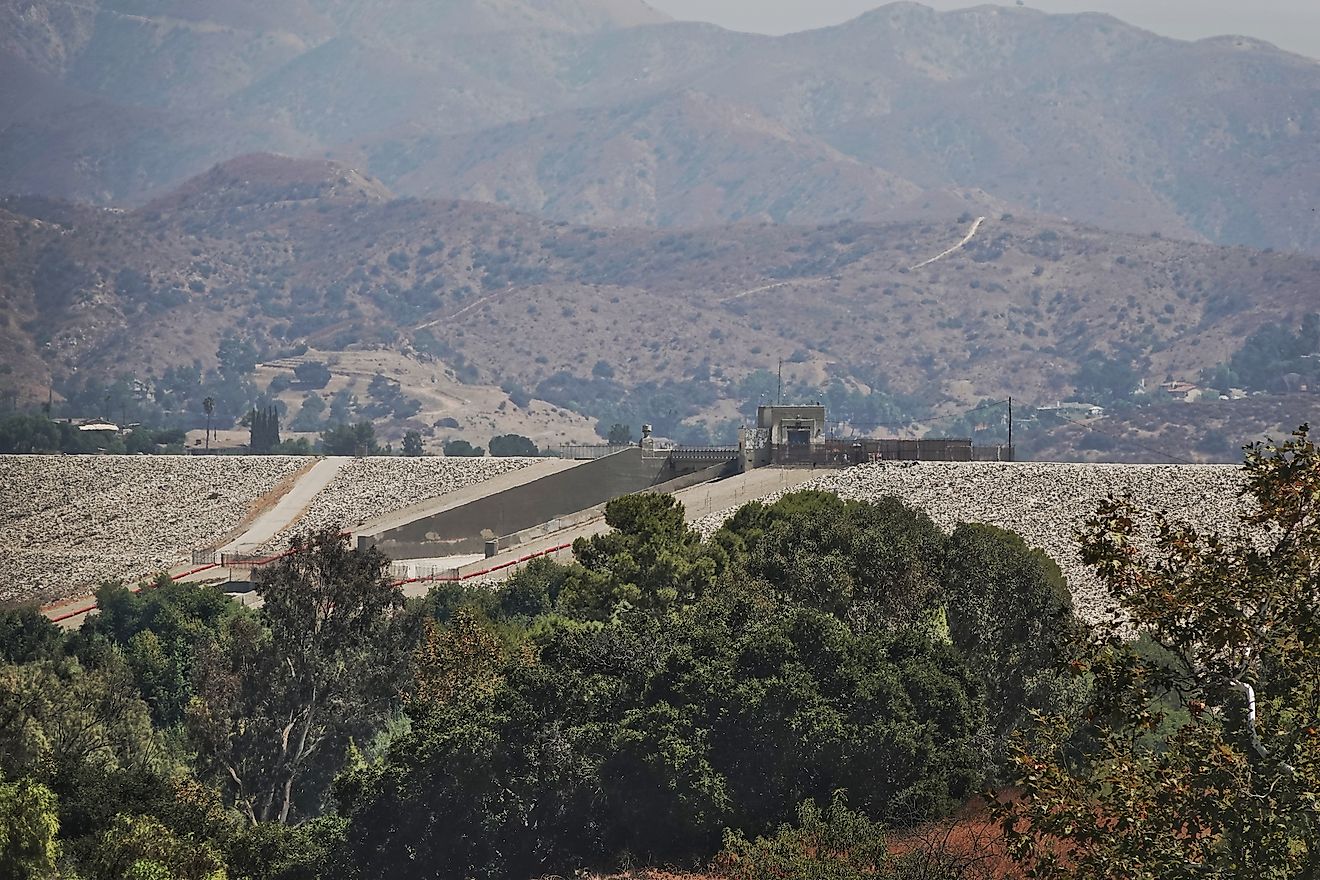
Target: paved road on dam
[{"x": 289, "y": 508}]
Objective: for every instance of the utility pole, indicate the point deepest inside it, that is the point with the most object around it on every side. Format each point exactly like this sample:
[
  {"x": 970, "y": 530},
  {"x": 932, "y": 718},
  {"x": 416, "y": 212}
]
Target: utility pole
[
  {"x": 1010, "y": 428},
  {"x": 779, "y": 395}
]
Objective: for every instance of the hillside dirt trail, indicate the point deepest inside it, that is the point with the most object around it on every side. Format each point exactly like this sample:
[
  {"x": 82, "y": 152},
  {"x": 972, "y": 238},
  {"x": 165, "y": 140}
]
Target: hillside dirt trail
[{"x": 976, "y": 227}]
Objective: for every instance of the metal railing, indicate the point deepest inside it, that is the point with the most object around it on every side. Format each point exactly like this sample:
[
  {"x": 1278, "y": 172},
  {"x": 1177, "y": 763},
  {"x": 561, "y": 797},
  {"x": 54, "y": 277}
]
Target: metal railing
[{"x": 584, "y": 452}]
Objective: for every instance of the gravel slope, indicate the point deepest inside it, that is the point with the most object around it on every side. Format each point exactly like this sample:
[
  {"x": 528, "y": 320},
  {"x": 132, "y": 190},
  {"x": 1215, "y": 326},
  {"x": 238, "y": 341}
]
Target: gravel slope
[
  {"x": 68, "y": 523},
  {"x": 370, "y": 487},
  {"x": 1045, "y": 503}
]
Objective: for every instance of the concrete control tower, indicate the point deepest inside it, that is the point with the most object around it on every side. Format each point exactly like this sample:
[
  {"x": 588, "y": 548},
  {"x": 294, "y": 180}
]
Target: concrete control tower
[{"x": 792, "y": 432}]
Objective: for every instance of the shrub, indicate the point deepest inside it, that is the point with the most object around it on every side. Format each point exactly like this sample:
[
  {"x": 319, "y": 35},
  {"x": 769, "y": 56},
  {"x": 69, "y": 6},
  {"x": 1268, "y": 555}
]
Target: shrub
[
  {"x": 312, "y": 374},
  {"x": 512, "y": 446}
]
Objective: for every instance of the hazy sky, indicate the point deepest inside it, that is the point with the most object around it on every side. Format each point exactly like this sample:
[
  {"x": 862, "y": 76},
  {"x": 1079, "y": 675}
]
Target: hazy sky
[{"x": 1290, "y": 24}]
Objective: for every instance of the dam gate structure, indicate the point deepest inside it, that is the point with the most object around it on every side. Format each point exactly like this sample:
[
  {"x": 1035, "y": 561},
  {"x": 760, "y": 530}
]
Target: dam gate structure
[{"x": 796, "y": 435}]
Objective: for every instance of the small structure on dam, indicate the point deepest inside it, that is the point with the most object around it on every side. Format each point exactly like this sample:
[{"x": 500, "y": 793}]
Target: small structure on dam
[{"x": 798, "y": 435}]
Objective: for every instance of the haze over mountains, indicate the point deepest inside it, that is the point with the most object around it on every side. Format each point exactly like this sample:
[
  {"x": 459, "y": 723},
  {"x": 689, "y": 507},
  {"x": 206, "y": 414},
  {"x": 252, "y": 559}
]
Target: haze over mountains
[
  {"x": 668, "y": 207},
  {"x": 632, "y": 325},
  {"x": 604, "y": 112}
]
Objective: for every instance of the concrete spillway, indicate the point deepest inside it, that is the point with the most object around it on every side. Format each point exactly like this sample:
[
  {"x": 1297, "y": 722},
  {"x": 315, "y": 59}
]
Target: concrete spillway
[{"x": 523, "y": 512}]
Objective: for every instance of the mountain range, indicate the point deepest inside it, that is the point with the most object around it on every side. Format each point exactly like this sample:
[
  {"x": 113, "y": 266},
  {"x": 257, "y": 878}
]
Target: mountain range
[
  {"x": 604, "y": 112},
  {"x": 898, "y": 321}
]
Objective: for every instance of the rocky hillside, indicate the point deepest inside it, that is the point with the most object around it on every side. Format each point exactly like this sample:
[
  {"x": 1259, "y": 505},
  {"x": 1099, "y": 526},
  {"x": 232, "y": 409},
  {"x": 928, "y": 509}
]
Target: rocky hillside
[
  {"x": 1203, "y": 431},
  {"x": 600, "y": 111},
  {"x": 678, "y": 329}
]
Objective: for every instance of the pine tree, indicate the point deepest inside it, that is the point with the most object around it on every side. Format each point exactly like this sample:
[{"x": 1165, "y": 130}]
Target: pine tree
[{"x": 265, "y": 430}]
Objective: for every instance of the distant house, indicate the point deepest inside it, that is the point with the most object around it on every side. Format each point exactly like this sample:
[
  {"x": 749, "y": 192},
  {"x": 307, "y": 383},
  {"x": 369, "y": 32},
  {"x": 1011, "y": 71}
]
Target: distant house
[
  {"x": 98, "y": 427},
  {"x": 1071, "y": 409},
  {"x": 1184, "y": 391}
]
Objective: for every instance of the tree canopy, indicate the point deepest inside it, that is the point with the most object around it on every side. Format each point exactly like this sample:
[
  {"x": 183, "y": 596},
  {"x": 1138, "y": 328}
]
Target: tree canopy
[{"x": 1199, "y": 753}]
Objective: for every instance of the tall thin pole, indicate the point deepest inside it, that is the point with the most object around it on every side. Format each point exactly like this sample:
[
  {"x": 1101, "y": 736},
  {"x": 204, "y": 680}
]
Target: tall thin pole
[
  {"x": 779, "y": 395},
  {"x": 1010, "y": 427}
]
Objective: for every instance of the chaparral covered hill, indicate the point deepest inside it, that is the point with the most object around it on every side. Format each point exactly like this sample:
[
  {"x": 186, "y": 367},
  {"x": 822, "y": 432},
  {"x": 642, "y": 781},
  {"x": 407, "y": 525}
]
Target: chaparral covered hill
[
  {"x": 627, "y": 324},
  {"x": 602, "y": 111}
]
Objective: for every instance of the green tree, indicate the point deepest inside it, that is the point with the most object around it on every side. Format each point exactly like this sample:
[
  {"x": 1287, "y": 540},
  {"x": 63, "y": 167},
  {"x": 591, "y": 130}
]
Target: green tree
[
  {"x": 513, "y": 446},
  {"x": 237, "y": 356},
  {"x": 264, "y": 426},
  {"x": 1204, "y": 755},
  {"x": 29, "y": 435},
  {"x": 412, "y": 444},
  {"x": 1105, "y": 379},
  {"x": 462, "y": 449},
  {"x": 313, "y": 375},
  {"x": 650, "y": 559},
  {"x": 836, "y": 843},
  {"x": 29, "y": 830},
  {"x": 620, "y": 435},
  {"x": 85, "y": 734},
  {"x": 58, "y": 717},
  {"x": 350, "y": 440},
  {"x": 651, "y": 734},
  {"x": 1009, "y": 613},
  {"x": 159, "y": 629},
  {"x": 309, "y": 414},
  {"x": 277, "y": 701},
  {"x": 27, "y": 635},
  {"x": 1275, "y": 351},
  {"x": 875, "y": 564},
  {"x": 144, "y": 848}
]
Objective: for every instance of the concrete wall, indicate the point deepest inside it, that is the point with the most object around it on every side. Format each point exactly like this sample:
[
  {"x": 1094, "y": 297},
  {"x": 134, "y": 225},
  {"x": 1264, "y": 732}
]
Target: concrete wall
[
  {"x": 541, "y": 530},
  {"x": 465, "y": 529}
]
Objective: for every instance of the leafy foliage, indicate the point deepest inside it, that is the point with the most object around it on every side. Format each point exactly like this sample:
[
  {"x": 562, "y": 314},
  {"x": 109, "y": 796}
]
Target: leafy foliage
[
  {"x": 313, "y": 375},
  {"x": 26, "y": 635},
  {"x": 159, "y": 629},
  {"x": 1270, "y": 356},
  {"x": 358, "y": 439},
  {"x": 462, "y": 449},
  {"x": 277, "y": 701},
  {"x": 1009, "y": 613},
  {"x": 875, "y": 565},
  {"x": 412, "y": 444},
  {"x": 651, "y": 734},
  {"x": 836, "y": 843},
  {"x": 1203, "y": 756},
  {"x": 513, "y": 446},
  {"x": 1106, "y": 379},
  {"x": 39, "y": 435},
  {"x": 144, "y": 848},
  {"x": 29, "y": 828},
  {"x": 651, "y": 560}
]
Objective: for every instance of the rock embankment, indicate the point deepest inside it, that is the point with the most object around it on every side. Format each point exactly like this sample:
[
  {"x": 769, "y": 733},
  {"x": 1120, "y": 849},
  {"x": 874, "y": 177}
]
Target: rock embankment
[
  {"x": 1045, "y": 503},
  {"x": 370, "y": 487},
  {"x": 70, "y": 522}
]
